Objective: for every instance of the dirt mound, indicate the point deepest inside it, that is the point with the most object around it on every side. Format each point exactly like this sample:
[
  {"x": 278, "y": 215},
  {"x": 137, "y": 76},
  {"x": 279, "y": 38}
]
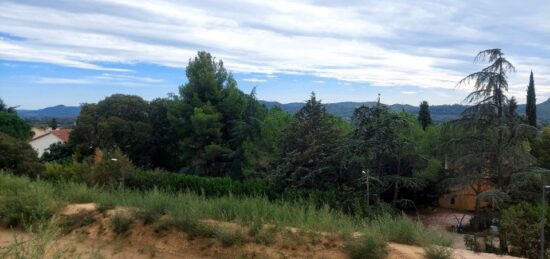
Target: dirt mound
[{"x": 89, "y": 233}]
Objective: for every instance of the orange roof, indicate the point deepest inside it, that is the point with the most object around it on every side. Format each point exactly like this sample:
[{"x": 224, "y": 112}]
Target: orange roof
[{"x": 62, "y": 134}]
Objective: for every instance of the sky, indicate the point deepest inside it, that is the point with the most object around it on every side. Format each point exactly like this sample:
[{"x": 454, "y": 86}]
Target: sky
[{"x": 72, "y": 52}]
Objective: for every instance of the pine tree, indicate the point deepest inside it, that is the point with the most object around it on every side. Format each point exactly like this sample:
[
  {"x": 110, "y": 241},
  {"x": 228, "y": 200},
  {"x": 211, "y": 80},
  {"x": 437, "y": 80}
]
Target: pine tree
[
  {"x": 531, "y": 109},
  {"x": 310, "y": 144},
  {"x": 424, "y": 116}
]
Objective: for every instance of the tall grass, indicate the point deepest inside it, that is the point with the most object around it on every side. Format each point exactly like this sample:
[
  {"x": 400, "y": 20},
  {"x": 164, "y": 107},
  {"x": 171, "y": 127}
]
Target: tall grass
[{"x": 244, "y": 210}]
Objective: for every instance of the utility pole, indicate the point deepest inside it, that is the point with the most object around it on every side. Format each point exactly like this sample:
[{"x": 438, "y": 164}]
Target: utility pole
[{"x": 368, "y": 187}]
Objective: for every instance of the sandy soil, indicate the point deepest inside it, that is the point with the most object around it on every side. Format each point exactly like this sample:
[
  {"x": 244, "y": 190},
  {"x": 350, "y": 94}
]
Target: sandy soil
[{"x": 141, "y": 241}]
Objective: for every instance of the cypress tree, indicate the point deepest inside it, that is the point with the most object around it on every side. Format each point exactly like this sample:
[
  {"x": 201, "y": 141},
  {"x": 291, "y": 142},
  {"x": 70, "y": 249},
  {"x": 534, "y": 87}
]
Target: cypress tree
[
  {"x": 531, "y": 109},
  {"x": 424, "y": 116}
]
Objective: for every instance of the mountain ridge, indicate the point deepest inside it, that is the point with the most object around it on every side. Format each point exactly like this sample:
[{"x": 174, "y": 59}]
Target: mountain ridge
[{"x": 440, "y": 113}]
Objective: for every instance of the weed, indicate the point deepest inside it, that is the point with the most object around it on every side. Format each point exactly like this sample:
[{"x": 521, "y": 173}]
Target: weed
[
  {"x": 72, "y": 222},
  {"x": 120, "y": 223},
  {"x": 366, "y": 246},
  {"x": 229, "y": 238},
  {"x": 266, "y": 236},
  {"x": 438, "y": 252}
]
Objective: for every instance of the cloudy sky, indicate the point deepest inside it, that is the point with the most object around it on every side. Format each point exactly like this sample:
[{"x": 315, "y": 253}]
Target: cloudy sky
[{"x": 70, "y": 52}]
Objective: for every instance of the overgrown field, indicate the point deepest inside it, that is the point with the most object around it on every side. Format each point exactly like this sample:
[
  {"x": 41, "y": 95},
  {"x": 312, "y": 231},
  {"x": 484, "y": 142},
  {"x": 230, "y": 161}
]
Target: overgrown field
[{"x": 23, "y": 202}]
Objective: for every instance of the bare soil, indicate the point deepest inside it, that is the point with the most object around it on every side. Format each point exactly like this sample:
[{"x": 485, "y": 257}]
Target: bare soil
[{"x": 98, "y": 240}]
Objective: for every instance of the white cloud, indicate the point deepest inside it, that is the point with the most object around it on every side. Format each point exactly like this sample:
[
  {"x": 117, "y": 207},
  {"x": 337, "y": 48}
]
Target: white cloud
[
  {"x": 408, "y": 92},
  {"x": 318, "y": 81},
  {"x": 383, "y": 43},
  {"x": 255, "y": 80}
]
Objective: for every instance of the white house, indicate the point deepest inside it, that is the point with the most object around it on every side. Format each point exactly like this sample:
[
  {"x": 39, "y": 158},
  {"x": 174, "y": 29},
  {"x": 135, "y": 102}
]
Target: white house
[{"x": 42, "y": 142}]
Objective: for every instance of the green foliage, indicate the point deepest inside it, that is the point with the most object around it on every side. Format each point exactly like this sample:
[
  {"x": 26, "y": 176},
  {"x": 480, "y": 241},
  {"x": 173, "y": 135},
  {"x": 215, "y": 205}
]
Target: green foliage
[
  {"x": 438, "y": 252},
  {"x": 118, "y": 121},
  {"x": 309, "y": 146},
  {"x": 22, "y": 202},
  {"x": 424, "y": 116},
  {"x": 14, "y": 126},
  {"x": 531, "y": 107},
  {"x": 58, "y": 152},
  {"x": 18, "y": 157},
  {"x": 120, "y": 223},
  {"x": 541, "y": 148},
  {"x": 70, "y": 171},
  {"x": 113, "y": 167},
  {"x": 209, "y": 186},
  {"x": 366, "y": 246},
  {"x": 218, "y": 125},
  {"x": 520, "y": 224},
  {"x": 53, "y": 124},
  {"x": 229, "y": 238},
  {"x": 403, "y": 230}
]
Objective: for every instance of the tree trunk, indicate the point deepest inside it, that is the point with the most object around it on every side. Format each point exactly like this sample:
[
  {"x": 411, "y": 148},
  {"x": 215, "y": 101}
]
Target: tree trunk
[
  {"x": 477, "y": 213},
  {"x": 395, "y": 192}
]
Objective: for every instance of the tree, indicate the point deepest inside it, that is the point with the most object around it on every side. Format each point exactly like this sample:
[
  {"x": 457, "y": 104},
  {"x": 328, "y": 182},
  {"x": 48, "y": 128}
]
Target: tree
[
  {"x": 14, "y": 126},
  {"x": 310, "y": 144},
  {"x": 58, "y": 152},
  {"x": 541, "y": 148},
  {"x": 424, "y": 116},
  {"x": 118, "y": 121},
  {"x": 53, "y": 124},
  {"x": 217, "y": 124},
  {"x": 5, "y": 108},
  {"x": 18, "y": 157},
  {"x": 490, "y": 83},
  {"x": 531, "y": 108}
]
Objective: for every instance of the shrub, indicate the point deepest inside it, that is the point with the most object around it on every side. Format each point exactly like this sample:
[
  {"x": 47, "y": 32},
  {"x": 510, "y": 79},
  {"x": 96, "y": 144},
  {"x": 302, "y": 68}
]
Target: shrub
[
  {"x": 209, "y": 186},
  {"x": 521, "y": 226},
  {"x": 110, "y": 167},
  {"x": 438, "y": 252},
  {"x": 70, "y": 171},
  {"x": 22, "y": 202},
  {"x": 401, "y": 229},
  {"x": 229, "y": 238},
  {"x": 120, "y": 223},
  {"x": 366, "y": 246},
  {"x": 18, "y": 157}
]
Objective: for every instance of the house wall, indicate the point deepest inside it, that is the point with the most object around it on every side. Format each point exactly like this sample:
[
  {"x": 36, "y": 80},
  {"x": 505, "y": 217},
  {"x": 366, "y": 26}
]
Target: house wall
[
  {"x": 42, "y": 143},
  {"x": 461, "y": 199}
]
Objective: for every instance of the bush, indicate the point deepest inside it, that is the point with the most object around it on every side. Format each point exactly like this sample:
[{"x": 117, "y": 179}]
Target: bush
[
  {"x": 110, "y": 167},
  {"x": 18, "y": 157},
  {"x": 209, "y": 186},
  {"x": 120, "y": 223},
  {"x": 70, "y": 171},
  {"x": 229, "y": 238},
  {"x": 438, "y": 252},
  {"x": 403, "y": 230},
  {"x": 521, "y": 226},
  {"x": 23, "y": 203},
  {"x": 366, "y": 246}
]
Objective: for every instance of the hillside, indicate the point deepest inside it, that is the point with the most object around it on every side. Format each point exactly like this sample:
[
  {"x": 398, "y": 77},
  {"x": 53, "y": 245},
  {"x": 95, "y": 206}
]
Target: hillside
[{"x": 440, "y": 113}]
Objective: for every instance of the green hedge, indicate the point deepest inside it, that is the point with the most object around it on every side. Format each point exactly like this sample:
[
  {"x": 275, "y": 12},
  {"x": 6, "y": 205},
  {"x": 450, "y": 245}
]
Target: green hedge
[{"x": 209, "y": 186}]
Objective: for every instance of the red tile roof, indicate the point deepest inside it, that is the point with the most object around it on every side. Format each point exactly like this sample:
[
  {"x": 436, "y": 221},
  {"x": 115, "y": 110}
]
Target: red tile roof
[{"x": 62, "y": 134}]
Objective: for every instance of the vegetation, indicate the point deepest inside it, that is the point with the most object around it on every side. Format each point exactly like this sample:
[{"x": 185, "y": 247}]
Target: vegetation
[
  {"x": 18, "y": 157},
  {"x": 214, "y": 152},
  {"x": 531, "y": 108},
  {"x": 366, "y": 246},
  {"x": 424, "y": 116},
  {"x": 519, "y": 224}
]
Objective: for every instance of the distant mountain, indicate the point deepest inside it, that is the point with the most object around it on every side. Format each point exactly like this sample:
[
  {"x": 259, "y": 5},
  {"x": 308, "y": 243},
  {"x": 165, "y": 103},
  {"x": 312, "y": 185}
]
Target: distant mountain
[
  {"x": 440, "y": 113},
  {"x": 58, "y": 111}
]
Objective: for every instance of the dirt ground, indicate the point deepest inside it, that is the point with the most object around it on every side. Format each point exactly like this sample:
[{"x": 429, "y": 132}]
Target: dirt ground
[{"x": 97, "y": 240}]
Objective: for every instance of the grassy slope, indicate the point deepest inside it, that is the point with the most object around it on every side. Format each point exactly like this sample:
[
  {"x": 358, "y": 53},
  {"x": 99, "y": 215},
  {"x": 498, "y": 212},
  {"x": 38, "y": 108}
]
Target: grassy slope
[{"x": 24, "y": 201}]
